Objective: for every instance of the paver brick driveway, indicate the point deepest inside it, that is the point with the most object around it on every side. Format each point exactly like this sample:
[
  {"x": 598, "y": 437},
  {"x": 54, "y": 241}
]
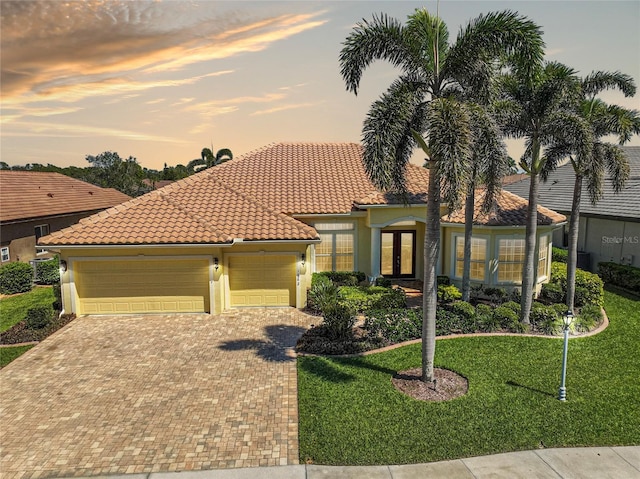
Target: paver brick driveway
[{"x": 132, "y": 394}]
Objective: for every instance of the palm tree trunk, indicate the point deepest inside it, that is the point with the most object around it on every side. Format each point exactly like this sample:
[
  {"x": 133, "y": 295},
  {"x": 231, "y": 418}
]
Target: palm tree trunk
[
  {"x": 430, "y": 292},
  {"x": 468, "y": 229},
  {"x": 528, "y": 270},
  {"x": 574, "y": 225}
]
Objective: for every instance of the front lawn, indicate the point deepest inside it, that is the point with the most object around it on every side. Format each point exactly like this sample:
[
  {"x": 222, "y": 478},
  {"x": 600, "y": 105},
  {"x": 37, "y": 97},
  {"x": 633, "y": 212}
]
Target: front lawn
[
  {"x": 9, "y": 354},
  {"x": 14, "y": 308},
  {"x": 351, "y": 414}
]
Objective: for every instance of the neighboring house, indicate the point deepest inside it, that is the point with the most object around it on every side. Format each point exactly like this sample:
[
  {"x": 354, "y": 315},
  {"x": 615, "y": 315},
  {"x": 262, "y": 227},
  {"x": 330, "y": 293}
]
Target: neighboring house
[
  {"x": 251, "y": 231},
  {"x": 34, "y": 204},
  {"x": 610, "y": 230}
]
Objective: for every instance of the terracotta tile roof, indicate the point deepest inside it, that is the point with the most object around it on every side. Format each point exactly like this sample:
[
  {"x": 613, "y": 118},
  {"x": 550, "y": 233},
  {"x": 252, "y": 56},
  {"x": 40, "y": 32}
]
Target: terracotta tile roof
[
  {"x": 30, "y": 194},
  {"x": 309, "y": 178},
  {"x": 198, "y": 209},
  {"x": 510, "y": 210}
]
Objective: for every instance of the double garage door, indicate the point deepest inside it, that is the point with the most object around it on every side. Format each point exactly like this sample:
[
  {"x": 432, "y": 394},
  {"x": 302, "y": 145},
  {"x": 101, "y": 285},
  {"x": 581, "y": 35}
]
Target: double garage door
[
  {"x": 121, "y": 286},
  {"x": 142, "y": 286}
]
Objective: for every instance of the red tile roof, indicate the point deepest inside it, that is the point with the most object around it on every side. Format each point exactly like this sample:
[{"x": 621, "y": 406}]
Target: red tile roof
[
  {"x": 510, "y": 210},
  {"x": 30, "y": 194}
]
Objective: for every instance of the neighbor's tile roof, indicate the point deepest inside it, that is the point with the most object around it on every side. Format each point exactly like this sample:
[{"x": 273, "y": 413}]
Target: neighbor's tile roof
[
  {"x": 30, "y": 194},
  {"x": 198, "y": 209},
  {"x": 509, "y": 210},
  {"x": 557, "y": 192}
]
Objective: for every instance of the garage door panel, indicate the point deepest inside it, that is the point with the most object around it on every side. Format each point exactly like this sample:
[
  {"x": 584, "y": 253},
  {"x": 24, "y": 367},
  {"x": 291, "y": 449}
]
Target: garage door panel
[
  {"x": 262, "y": 280},
  {"x": 142, "y": 286}
]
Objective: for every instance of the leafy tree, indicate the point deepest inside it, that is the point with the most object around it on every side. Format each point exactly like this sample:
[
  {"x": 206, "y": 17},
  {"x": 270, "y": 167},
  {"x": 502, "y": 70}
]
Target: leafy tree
[
  {"x": 108, "y": 170},
  {"x": 431, "y": 99},
  {"x": 208, "y": 159},
  {"x": 604, "y": 120},
  {"x": 541, "y": 109}
]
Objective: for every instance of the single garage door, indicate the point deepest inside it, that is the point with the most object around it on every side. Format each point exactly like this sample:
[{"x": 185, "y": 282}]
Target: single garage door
[
  {"x": 142, "y": 286},
  {"x": 262, "y": 280}
]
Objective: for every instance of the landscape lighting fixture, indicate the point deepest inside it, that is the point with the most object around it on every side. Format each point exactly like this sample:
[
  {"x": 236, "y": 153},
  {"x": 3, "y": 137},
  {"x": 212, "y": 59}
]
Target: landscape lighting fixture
[{"x": 567, "y": 319}]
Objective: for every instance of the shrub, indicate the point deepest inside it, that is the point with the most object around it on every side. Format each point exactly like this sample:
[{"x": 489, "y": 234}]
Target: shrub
[
  {"x": 391, "y": 298},
  {"x": 57, "y": 293},
  {"x": 384, "y": 282},
  {"x": 39, "y": 317},
  {"x": 338, "y": 320},
  {"x": 448, "y": 322},
  {"x": 541, "y": 314},
  {"x": 553, "y": 293},
  {"x": 559, "y": 255},
  {"x": 394, "y": 325},
  {"x": 624, "y": 276},
  {"x": 443, "y": 280},
  {"x": 517, "y": 326},
  {"x": 513, "y": 306},
  {"x": 496, "y": 294},
  {"x": 463, "y": 309},
  {"x": 342, "y": 278},
  {"x": 589, "y": 286},
  {"x": 363, "y": 298},
  {"x": 16, "y": 278},
  {"x": 590, "y": 315},
  {"x": 322, "y": 295},
  {"x": 448, "y": 293},
  {"x": 505, "y": 316},
  {"x": 48, "y": 272}
]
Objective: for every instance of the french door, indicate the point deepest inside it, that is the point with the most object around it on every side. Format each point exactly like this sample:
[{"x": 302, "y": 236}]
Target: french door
[{"x": 398, "y": 254}]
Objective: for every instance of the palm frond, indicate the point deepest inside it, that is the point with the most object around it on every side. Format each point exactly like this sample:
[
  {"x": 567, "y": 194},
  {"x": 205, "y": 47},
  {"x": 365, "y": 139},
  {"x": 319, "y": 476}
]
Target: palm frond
[
  {"x": 381, "y": 38},
  {"x": 617, "y": 164},
  {"x": 450, "y": 141},
  {"x": 598, "y": 81}
]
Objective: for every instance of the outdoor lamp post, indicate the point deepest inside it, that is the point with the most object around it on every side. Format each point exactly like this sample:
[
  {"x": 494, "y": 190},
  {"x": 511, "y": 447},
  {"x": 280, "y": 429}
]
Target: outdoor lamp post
[{"x": 567, "y": 319}]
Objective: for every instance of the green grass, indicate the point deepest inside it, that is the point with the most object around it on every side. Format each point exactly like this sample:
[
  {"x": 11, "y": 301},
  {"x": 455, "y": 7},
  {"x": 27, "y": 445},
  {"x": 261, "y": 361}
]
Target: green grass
[
  {"x": 9, "y": 354},
  {"x": 14, "y": 308},
  {"x": 351, "y": 414}
]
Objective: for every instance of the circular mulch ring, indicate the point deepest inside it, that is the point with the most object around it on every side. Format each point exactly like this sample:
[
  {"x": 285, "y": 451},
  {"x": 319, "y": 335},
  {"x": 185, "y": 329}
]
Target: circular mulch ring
[{"x": 448, "y": 384}]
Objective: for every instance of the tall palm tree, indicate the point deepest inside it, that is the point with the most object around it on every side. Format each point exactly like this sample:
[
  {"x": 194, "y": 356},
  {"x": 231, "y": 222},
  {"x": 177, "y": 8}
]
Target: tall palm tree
[
  {"x": 542, "y": 110},
  {"x": 604, "y": 120},
  {"x": 208, "y": 159},
  {"x": 428, "y": 106}
]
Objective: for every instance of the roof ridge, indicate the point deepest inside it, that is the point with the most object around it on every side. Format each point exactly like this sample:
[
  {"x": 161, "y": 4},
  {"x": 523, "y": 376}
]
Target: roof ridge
[{"x": 202, "y": 221}]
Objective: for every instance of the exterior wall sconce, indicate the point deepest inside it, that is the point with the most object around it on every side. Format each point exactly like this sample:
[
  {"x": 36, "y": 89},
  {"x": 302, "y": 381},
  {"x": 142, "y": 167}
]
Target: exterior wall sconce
[
  {"x": 216, "y": 263},
  {"x": 63, "y": 266},
  {"x": 303, "y": 258},
  {"x": 567, "y": 319}
]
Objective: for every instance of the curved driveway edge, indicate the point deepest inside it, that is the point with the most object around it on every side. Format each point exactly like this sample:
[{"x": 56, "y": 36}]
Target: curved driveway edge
[{"x": 154, "y": 393}]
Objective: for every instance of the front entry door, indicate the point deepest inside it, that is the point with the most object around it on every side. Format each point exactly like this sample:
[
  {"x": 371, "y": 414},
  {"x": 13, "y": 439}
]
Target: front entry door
[{"x": 397, "y": 257}]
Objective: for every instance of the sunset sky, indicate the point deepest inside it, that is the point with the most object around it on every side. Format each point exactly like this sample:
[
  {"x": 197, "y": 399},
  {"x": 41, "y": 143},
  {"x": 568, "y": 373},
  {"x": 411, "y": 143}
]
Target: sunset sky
[{"x": 160, "y": 80}]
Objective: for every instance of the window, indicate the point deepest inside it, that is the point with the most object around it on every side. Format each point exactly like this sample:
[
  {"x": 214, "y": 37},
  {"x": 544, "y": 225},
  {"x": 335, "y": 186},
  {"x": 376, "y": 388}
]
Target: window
[
  {"x": 41, "y": 230},
  {"x": 510, "y": 260},
  {"x": 478, "y": 258},
  {"x": 543, "y": 256},
  {"x": 336, "y": 249},
  {"x": 4, "y": 252}
]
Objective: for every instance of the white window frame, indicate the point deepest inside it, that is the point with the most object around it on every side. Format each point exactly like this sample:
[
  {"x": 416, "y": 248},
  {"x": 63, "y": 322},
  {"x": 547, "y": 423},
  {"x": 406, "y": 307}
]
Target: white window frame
[
  {"x": 454, "y": 258},
  {"x": 5, "y": 254},
  {"x": 498, "y": 262},
  {"x": 328, "y": 228},
  {"x": 40, "y": 227},
  {"x": 547, "y": 268}
]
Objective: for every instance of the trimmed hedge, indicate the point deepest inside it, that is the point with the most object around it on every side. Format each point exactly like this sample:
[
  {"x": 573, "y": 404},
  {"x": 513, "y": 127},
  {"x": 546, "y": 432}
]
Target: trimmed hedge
[
  {"x": 589, "y": 286},
  {"x": 39, "y": 317},
  {"x": 623, "y": 276},
  {"x": 48, "y": 272},
  {"x": 394, "y": 325},
  {"x": 340, "y": 278},
  {"x": 16, "y": 278},
  {"x": 559, "y": 255}
]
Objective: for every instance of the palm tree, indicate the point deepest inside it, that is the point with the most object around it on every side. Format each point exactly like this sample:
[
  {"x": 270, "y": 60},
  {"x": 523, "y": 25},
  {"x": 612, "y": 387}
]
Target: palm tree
[
  {"x": 604, "y": 120},
  {"x": 540, "y": 109},
  {"x": 431, "y": 99},
  {"x": 208, "y": 159}
]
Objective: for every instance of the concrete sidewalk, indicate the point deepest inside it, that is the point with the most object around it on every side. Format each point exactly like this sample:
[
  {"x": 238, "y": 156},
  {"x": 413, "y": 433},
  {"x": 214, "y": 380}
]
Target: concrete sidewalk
[{"x": 570, "y": 463}]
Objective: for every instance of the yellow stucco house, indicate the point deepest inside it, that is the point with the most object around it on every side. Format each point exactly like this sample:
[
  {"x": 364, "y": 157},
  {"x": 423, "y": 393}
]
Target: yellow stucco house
[{"x": 250, "y": 232}]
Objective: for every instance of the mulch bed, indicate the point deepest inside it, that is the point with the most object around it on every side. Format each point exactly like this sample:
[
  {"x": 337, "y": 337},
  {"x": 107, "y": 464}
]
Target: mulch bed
[
  {"x": 448, "y": 384},
  {"x": 20, "y": 333}
]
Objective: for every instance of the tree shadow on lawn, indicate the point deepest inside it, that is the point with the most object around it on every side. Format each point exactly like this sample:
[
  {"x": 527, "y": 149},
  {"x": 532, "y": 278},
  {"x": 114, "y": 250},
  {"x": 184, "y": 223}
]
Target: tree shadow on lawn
[
  {"x": 277, "y": 347},
  {"x": 529, "y": 388},
  {"x": 325, "y": 368}
]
